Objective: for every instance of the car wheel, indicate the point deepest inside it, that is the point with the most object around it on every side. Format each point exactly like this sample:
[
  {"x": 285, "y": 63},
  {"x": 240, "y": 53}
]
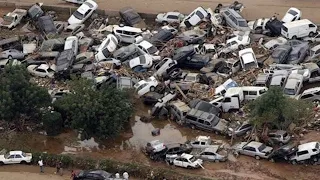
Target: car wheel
[
  {"x": 193, "y": 127},
  {"x": 152, "y": 88},
  {"x": 311, "y": 34},
  {"x": 165, "y": 23},
  {"x": 257, "y": 157},
  {"x": 1, "y": 163},
  {"x": 216, "y": 160},
  {"x": 272, "y": 160},
  {"x": 188, "y": 58},
  {"x": 294, "y": 162},
  {"x": 9, "y": 57},
  {"x": 316, "y": 101},
  {"x": 223, "y": 55},
  {"x": 216, "y": 132},
  {"x": 315, "y": 159},
  {"x": 294, "y": 37},
  {"x": 23, "y": 162},
  {"x": 189, "y": 167}
]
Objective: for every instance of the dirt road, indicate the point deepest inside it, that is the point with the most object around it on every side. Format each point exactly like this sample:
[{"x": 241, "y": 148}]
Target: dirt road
[
  {"x": 254, "y": 9},
  {"x": 23, "y": 172}
]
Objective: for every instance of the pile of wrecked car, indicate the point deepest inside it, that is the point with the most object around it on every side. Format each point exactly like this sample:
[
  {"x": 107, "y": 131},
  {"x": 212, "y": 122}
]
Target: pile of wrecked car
[{"x": 190, "y": 68}]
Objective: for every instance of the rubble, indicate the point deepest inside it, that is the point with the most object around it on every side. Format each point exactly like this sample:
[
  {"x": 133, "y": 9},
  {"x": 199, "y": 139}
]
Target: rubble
[{"x": 210, "y": 46}]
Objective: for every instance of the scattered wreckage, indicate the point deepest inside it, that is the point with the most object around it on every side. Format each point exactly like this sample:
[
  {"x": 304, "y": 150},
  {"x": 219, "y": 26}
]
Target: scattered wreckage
[{"x": 227, "y": 57}]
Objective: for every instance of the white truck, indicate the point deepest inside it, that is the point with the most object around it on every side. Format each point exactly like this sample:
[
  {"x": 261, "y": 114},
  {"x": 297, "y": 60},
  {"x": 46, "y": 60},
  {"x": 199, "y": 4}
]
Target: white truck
[
  {"x": 12, "y": 19},
  {"x": 234, "y": 96}
]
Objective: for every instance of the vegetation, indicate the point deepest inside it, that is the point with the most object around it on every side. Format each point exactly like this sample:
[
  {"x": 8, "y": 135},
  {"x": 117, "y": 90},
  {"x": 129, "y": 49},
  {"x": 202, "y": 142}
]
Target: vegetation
[
  {"x": 96, "y": 112},
  {"x": 53, "y": 123},
  {"x": 134, "y": 169},
  {"x": 277, "y": 110},
  {"x": 20, "y": 99}
]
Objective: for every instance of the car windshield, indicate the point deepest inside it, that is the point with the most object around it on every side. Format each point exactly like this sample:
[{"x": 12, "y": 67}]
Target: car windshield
[
  {"x": 8, "y": 18},
  {"x": 142, "y": 60},
  {"x": 23, "y": 154},
  {"x": 255, "y": 24},
  {"x": 190, "y": 78},
  {"x": 243, "y": 24},
  {"x": 105, "y": 53},
  {"x": 289, "y": 91},
  {"x": 292, "y": 12},
  {"x": 6, "y": 155},
  {"x": 88, "y": 4},
  {"x": 199, "y": 14},
  {"x": 78, "y": 15},
  {"x": 262, "y": 147},
  {"x": 152, "y": 50},
  {"x": 193, "y": 159}
]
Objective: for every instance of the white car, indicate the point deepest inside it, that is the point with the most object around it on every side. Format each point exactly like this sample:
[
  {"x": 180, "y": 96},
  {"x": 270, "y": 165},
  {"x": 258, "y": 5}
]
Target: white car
[
  {"x": 248, "y": 59},
  {"x": 307, "y": 151},
  {"x": 145, "y": 61},
  {"x": 169, "y": 17},
  {"x": 272, "y": 44},
  {"x": 104, "y": 62},
  {"x": 259, "y": 24},
  {"x": 235, "y": 42},
  {"x": 194, "y": 17},
  {"x": 315, "y": 38},
  {"x": 187, "y": 161},
  {"x": 254, "y": 149},
  {"x": 72, "y": 42},
  {"x": 12, "y": 19},
  {"x": 128, "y": 34},
  {"x": 293, "y": 14},
  {"x": 15, "y": 157},
  {"x": 145, "y": 86},
  {"x": 150, "y": 48},
  {"x": 83, "y": 12},
  {"x": 293, "y": 85},
  {"x": 42, "y": 70},
  {"x": 164, "y": 65},
  {"x": 108, "y": 45}
]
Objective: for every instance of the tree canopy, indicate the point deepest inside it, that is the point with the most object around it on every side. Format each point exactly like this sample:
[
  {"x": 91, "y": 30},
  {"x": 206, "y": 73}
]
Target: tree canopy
[
  {"x": 97, "y": 112},
  {"x": 278, "y": 110},
  {"x": 20, "y": 99}
]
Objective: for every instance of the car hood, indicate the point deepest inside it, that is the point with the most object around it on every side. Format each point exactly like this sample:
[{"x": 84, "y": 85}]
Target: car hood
[
  {"x": 2, "y": 157},
  {"x": 287, "y": 18},
  {"x": 267, "y": 149},
  {"x": 250, "y": 24},
  {"x": 222, "y": 125},
  {"x": 74, "y": 20},
  {"x": 160, "y": 16}
]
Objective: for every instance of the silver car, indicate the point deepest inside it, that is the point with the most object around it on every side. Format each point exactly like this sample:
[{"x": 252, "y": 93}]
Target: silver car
[
  {"x": 234, "y": 19},
  {"x": 211, "y": 154},
  {"x": 12, "y": 54},
  {"x": 254, "y": 149}
]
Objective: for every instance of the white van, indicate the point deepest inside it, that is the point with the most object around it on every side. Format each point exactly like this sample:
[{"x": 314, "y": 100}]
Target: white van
[
  {"x": 298, "y": 29},
  {"x": 253, "y": 92},
  {"x": 128, "y": 34},
  {"x": 236, "y": 95}
]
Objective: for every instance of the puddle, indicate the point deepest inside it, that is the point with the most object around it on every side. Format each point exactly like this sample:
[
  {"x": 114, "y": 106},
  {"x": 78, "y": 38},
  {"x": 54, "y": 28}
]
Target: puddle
[{"x": 142, "y": 133}]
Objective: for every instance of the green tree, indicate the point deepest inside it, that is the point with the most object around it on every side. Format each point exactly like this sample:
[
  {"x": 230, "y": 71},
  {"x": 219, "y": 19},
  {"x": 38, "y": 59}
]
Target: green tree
[
  {"x": 20, "y": 99},
  {"x": 53, "y": 123},
  {"x": 278, "y": 110},
  {"x": 97, "y": 112}
]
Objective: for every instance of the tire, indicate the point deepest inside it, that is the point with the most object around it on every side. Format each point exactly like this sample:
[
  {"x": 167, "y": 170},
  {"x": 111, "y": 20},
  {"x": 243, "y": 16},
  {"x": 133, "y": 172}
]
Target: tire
[
  {"x": 216, "y": 161},
  {"x": 152, "y": 88},
  {"x": 193, "y": 126},
  {"x": 315, "y": 159},
  {"x": 311, "y": 34},
  {"x": 257, "y": 157},
  {"x": 1, "y": 163},
  {"x": 9, "y": 57},
  {"x": 188, "y": 58},
  {"x": 23, "y": 162},
  {"x": 223, "y": 55},
  {"x": 294, "y": 162},
  {"x": 294, "y": 37},
  {"x": 189, "y": 167}
]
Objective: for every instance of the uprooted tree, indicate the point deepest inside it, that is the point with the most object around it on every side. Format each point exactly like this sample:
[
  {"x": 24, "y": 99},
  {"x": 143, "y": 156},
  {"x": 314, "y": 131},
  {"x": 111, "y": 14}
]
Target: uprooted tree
[
  {"x": 21, "y": 100},
  {"x": 276, "y": 110},
  {"x": 96, "y": 112}
]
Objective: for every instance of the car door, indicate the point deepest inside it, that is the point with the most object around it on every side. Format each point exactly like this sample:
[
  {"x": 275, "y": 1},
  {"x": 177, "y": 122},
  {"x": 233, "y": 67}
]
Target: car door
[
  {"x": 178, "y": 162},
  {"x": 185, "y": 162},
  {"x": 40, "y": 72},
  {"x": 17, "y": 158},
  {"x": 303, "y": 155},
  {"x": 248, "y": 150},
  {"x": 210, "y": 156},
  {"x": 10, "y": 159}
]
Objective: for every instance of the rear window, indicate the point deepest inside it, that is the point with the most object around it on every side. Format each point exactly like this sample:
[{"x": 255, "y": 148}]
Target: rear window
[
  {"x": 142, "y": 60},
  {"x": 198, "y": 13},
  {"x": 243, "y": 24},
  {"x": 284, "y": 28},
  {"x": 88, "y": 4},
  {"x": 293, "y": 12}
]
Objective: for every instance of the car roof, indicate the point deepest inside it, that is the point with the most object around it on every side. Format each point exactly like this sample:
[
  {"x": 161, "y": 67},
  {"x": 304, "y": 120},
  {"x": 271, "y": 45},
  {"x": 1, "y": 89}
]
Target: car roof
[
  {"x": 173, "y": 145},
  {"x": 297, "y": 23},
  {"x": 174, "y": 13},
  {"x": 145, "y": 44},
  {"x": 307, "y": 146},
  {"x": 280, "y": 132},
  {"x": 213, "y": 149},
  {"x": 187, "y": 156},
  {"x": 254, "y": 144},
  {"x": 181, "y": 105},
  {"x": 311, "y": 90},
  {"x": 15, "y": 152}
]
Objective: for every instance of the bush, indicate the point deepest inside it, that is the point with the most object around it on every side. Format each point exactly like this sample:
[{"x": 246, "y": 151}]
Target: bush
[
  {"x": 109, "y": 165},
  {"x": 53, "y": 123}
]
